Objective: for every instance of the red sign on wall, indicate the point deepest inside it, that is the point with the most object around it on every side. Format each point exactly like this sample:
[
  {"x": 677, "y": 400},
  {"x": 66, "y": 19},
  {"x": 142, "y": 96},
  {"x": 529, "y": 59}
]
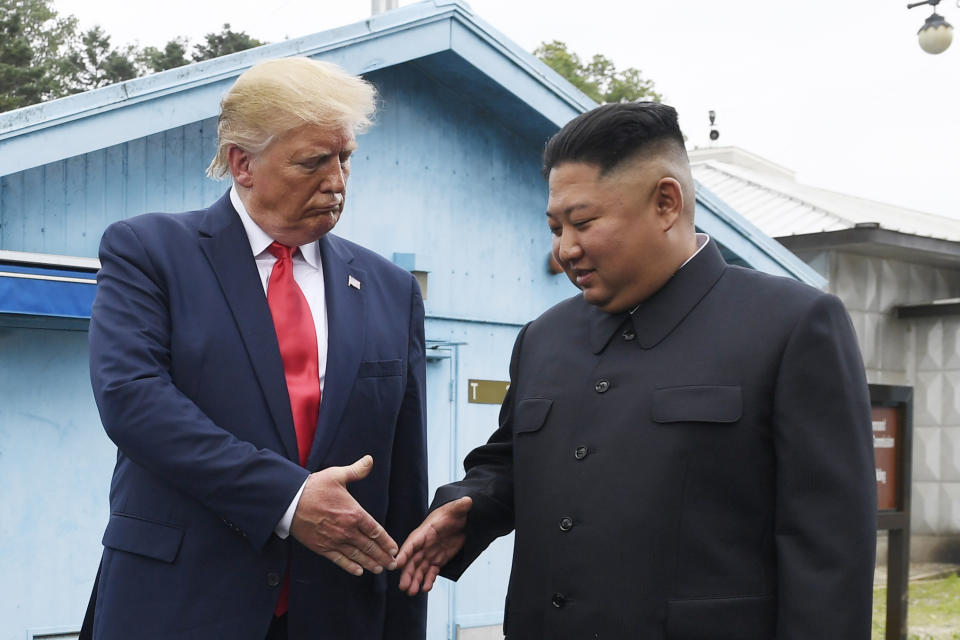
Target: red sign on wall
[{"x": 887, "y": 435}]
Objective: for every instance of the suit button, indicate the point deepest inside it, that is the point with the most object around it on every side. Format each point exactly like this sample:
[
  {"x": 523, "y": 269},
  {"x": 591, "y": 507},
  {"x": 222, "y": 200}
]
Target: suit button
[
  {"x": 558, "y": 600},
  {"x": 273, "y": 579},
  {"x": 580, "y": 453},
  {"x": 629, "y": 335},
  {"x": 601, "y": 386},
  {"x": 566, "y": 523}
]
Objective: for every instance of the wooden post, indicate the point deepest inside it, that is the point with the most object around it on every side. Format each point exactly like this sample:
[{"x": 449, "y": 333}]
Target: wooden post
[{"x": 893, "y": 420}]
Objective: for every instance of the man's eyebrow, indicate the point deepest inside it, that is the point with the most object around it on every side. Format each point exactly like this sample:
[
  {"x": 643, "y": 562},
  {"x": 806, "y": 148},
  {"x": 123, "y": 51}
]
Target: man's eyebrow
[{"x": 568, "y": 210}]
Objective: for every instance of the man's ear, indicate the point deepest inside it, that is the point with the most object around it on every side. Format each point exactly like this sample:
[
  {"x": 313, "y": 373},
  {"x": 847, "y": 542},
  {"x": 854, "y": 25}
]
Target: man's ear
[
  {"x": 239, "y": 161},
  {"x": 669, "y": 196}
]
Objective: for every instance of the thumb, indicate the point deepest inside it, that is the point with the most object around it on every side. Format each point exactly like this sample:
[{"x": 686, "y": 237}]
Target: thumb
[
  {"x": 359, "y": 469},
  {"x": 462, "y": 505}
]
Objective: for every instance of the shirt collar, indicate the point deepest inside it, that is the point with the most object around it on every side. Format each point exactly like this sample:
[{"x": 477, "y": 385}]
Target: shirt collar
[
  {"x": 260, "y": 240},
  {"x": 702, "y": 240}
]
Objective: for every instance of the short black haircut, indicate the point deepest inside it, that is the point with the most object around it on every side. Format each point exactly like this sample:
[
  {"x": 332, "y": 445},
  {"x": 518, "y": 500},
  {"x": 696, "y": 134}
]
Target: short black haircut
[{"x": 611, "y": 134}]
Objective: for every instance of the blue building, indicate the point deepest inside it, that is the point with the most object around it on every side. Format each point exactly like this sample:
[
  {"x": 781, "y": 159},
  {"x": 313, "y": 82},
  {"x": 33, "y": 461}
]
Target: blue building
[{"x": 447, "y": 184}]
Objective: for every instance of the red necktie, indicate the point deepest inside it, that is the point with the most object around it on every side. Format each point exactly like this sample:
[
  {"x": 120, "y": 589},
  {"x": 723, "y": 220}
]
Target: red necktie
[{"x": 297, "y": 337}]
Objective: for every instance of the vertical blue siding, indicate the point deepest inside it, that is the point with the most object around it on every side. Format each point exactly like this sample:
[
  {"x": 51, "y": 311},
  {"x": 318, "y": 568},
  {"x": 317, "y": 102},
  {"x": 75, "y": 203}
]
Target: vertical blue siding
[
  {"x": 55, "y": 465},
  {"x": 83, "y": 194}
]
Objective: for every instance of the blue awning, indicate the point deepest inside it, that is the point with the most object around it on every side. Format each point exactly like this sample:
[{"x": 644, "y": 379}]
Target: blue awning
[{"x": 33, "y": 292}]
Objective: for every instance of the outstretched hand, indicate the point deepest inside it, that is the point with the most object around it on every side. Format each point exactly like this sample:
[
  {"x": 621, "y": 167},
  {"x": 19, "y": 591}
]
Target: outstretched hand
[
  {"x": 331, "y": 523},
  {"x": 431, "y": 545}
]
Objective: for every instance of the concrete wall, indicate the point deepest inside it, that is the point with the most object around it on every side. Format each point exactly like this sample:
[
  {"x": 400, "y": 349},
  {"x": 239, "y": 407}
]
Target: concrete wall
[{"x": 922, "y": 353}]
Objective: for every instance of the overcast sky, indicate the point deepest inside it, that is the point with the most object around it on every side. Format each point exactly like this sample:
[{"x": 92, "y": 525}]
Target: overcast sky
[{"x": 838, "y": 91}]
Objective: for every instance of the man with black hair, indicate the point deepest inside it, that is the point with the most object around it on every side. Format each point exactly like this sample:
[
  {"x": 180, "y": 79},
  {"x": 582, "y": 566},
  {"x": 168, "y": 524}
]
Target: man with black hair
[{"x": 685, "y": 450}]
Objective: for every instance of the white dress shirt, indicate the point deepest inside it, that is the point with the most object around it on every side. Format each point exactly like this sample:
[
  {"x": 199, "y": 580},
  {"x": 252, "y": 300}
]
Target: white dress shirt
[{"x": 308, "y": 274}]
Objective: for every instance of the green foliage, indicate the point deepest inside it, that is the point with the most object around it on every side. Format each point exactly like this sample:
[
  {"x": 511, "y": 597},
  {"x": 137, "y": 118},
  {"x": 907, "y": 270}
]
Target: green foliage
[
  {"x": 43, "y": 56},
  {"x": 933, "y": 610},
  {"x": 174, "y": 55},
  {"x": 34, "y": 43},
  {"x": 96, "y": 64},
  {"x": 223, "y": 43},
  {"x": 599, "y": 77}
]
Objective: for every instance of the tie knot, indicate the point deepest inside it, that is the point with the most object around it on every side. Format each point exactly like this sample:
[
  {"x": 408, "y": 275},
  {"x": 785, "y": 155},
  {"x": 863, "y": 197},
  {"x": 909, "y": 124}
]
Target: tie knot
[{"x": 281, "y": 251}]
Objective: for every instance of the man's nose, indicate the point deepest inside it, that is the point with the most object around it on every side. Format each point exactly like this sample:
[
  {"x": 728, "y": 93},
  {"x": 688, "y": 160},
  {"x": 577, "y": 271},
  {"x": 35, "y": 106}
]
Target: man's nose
[
  {"x": 336, "y": 180},
  {"x": 568, "y": 248}
]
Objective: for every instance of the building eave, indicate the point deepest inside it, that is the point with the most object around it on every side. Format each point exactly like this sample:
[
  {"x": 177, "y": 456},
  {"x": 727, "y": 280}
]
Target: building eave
[{"x": 876, "y": 241}]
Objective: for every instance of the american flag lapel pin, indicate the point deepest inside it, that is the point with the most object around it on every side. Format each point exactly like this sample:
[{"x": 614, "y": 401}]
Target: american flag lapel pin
[{"x": 353, "y": 282}]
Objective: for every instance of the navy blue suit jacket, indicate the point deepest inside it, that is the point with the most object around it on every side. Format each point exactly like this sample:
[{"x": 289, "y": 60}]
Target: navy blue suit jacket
[{"x": 189, "y": 381}]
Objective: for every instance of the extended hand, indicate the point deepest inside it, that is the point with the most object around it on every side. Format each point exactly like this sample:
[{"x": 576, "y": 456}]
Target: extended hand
[
  {"x": 431, "y": 545},
  {"x": 330, "y": 522}
]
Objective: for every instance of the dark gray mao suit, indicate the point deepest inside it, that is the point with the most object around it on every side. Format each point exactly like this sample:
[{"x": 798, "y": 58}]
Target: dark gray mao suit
[{"x": 700, "y": 470}]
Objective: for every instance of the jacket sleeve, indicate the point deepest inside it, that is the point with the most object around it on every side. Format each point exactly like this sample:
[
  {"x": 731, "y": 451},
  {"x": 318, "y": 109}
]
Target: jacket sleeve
[
  {"x": 825, "y": 520},
  {"x": 406, "y": 616},
  {"x": 151, "y": 421},
  {"x": 488, "y": 481}
]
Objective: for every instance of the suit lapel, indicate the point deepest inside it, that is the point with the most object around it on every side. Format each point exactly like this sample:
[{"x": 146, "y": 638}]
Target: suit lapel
[
  {"x": 224, "y": 242},
  {"x": 346, "y": 333}
]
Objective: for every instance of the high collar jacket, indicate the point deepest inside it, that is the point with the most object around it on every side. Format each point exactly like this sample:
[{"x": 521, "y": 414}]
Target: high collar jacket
[{"x": 700, "y": 469}]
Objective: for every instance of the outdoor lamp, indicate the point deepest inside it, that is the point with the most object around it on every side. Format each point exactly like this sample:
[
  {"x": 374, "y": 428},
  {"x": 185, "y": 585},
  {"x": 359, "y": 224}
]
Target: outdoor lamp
[{"x": 936, "y": 34}]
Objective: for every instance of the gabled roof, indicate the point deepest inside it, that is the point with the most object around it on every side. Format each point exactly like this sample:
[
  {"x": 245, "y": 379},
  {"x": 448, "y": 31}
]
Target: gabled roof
[
  {"x": 442, "y": 37},
  {"x": 446, "y": 32},
  {"x": 770, "y": 197}
]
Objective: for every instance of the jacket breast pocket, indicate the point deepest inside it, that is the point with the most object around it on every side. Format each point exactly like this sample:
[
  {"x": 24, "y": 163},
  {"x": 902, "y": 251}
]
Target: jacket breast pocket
[
  {"x": 157, "y": 540},
  {"x": 719, "y": 404},
  {"x": 380, "y": 368},
  {"x": 531, "y": 414}
]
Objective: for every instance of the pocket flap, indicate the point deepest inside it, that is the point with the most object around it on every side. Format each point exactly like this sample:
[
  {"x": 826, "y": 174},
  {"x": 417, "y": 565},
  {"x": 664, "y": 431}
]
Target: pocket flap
[
  {"x": 704, "y": 403},
  {"x": 380, "y": 368},
  {"x": 148, "y": 538},
  {"x": 531, "y": 414}
]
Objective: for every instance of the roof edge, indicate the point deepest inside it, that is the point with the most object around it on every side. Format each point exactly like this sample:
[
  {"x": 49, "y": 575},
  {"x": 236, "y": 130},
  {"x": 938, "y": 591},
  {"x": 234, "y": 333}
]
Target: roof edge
[
  {"x": 766, "y": 245},
  {"x": 53, "y": 112}
]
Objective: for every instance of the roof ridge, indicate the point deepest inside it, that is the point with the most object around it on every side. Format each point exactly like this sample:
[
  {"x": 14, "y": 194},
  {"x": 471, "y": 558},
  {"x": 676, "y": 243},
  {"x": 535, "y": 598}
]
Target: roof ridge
[{"x": 752, "y": 181}]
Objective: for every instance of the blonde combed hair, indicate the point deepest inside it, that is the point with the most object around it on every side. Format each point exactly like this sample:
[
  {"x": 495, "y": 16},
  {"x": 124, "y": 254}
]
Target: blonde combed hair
[{"x": 276, "y": 96}]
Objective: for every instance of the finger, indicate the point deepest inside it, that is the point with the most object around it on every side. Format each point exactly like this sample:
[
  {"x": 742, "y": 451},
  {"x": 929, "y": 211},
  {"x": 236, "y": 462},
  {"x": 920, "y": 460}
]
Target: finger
[
  {"x": 462, "y": 506},
  {"x": 430, "y": 578},
  {"x": 411, "y": 545},
  {"x": 370, "y": 548},
  {"x": 370, "y": 529},
  {"x": 343, "y": 562},
  {"x": 358, "y": 470},
  {"x": 422, "y": 567},
  {"x": 406, "y": 579},
  {"x": 355, "y": 555}
]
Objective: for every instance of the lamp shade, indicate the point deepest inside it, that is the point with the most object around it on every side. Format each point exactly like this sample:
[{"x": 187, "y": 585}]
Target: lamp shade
[{"x": 935, "y": 35}]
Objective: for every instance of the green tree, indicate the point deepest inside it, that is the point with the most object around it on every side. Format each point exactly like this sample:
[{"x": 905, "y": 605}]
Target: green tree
[
  {"x": 223, "y": 43},
  {"x": 174, "y": 55},
  {"x": 96, "y": 64},
  {"x": 599, "y": 77},
  {"x": 34, "y": 43},
  {"x": 43, "y": 56}
]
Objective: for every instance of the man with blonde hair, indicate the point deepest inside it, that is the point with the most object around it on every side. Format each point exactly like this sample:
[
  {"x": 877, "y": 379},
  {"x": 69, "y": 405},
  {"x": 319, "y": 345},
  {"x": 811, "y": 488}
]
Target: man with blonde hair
[{"x": 263, "y": 380}]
